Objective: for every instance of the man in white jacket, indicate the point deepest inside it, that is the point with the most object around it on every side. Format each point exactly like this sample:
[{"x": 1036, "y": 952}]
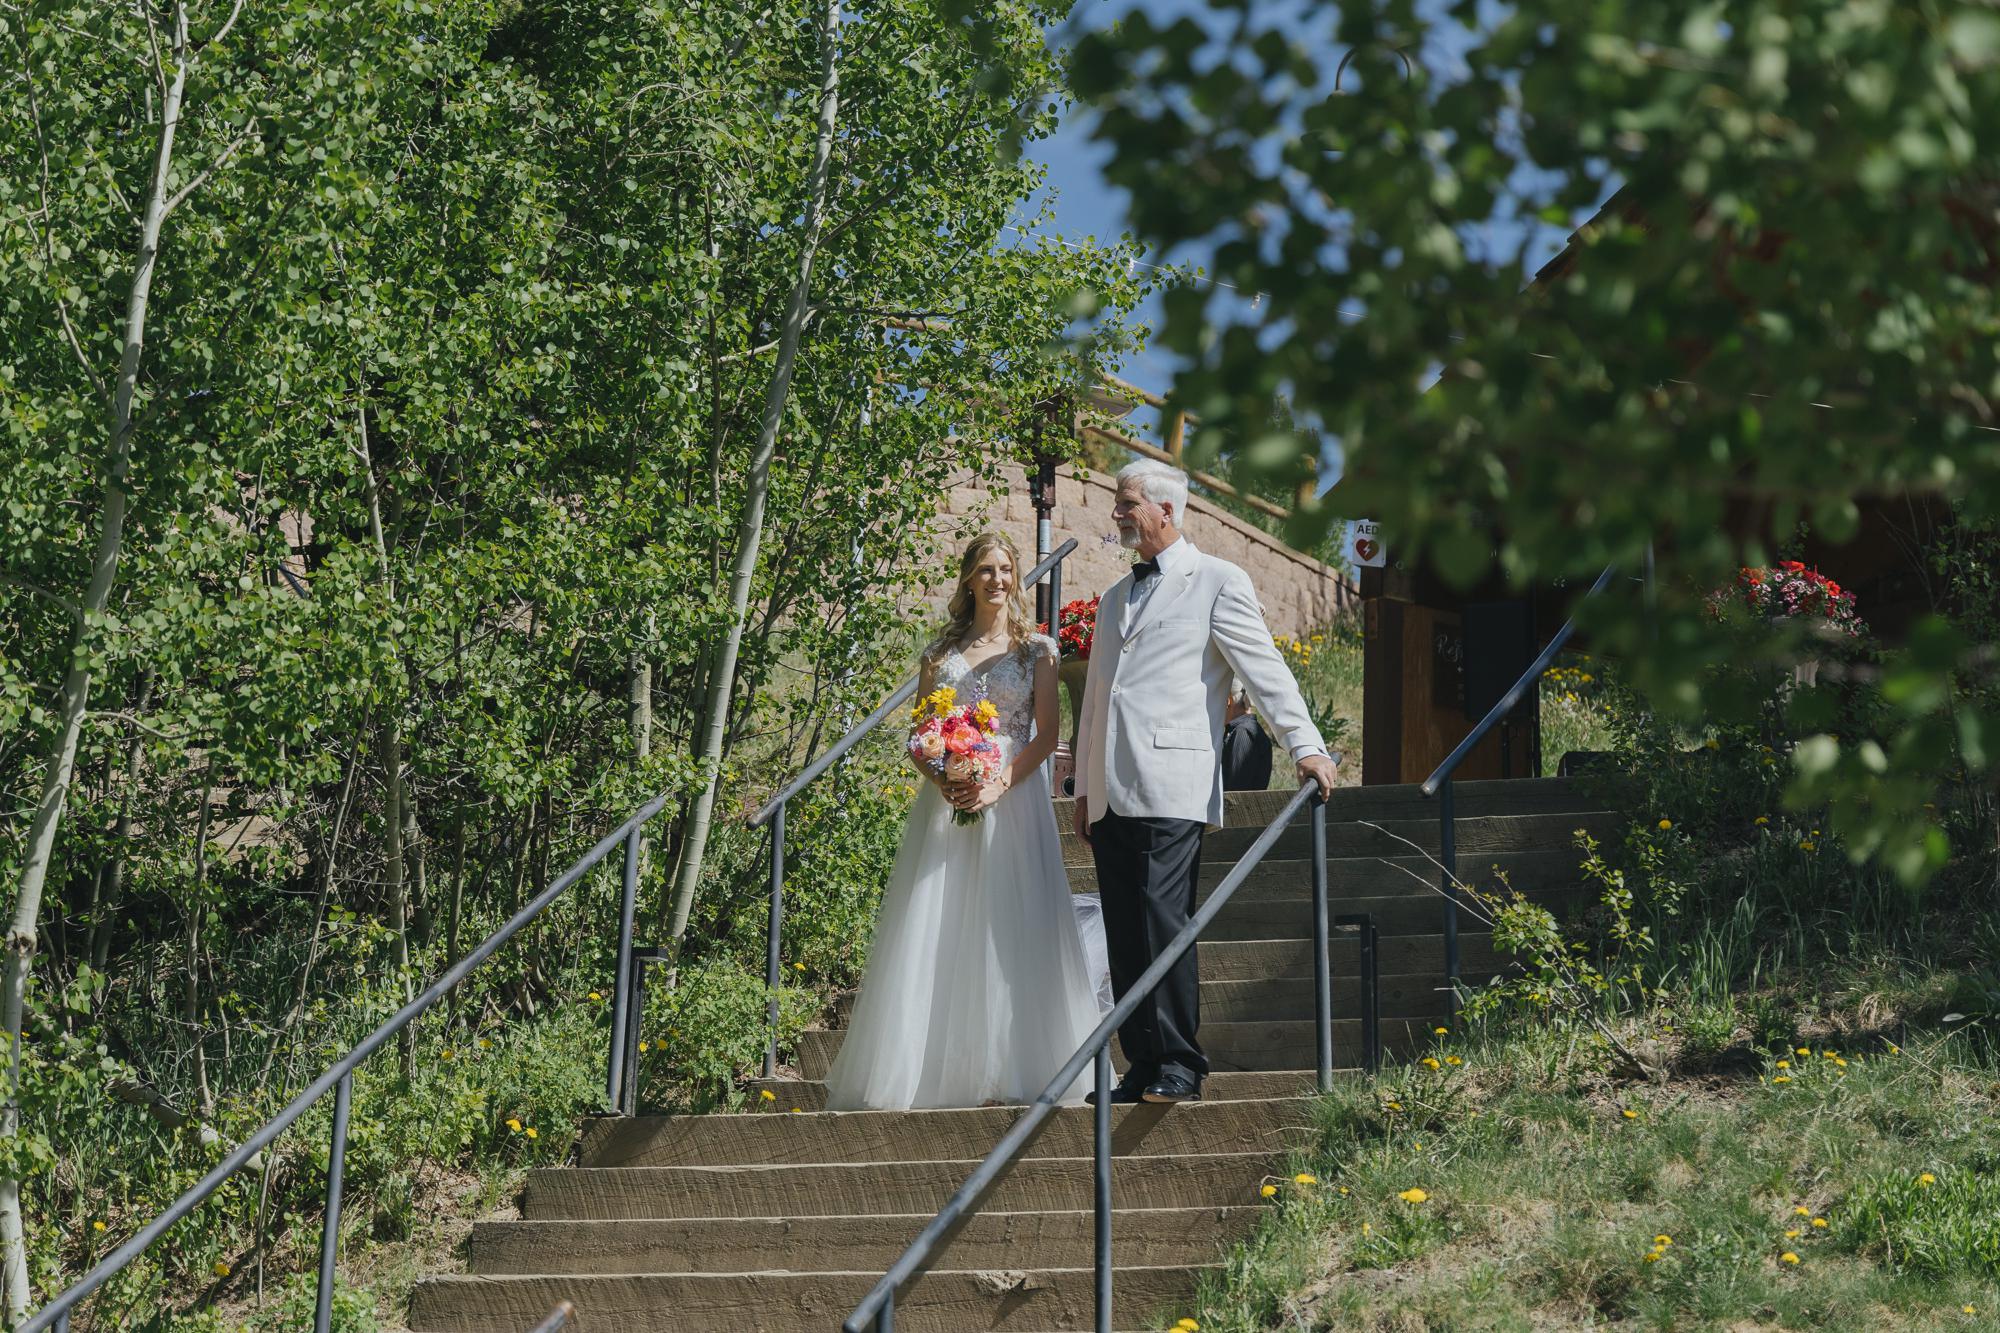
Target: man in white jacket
[{"x": 1170, "y": 636}]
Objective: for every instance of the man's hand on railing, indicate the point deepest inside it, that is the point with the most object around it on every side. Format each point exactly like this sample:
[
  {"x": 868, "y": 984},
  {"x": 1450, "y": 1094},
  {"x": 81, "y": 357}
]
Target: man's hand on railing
[{"x": 1320, "y": 768}]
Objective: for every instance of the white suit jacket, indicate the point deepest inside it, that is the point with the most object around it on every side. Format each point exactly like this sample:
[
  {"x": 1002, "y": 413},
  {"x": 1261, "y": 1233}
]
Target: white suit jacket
[{"x": 1149, "y": 739}]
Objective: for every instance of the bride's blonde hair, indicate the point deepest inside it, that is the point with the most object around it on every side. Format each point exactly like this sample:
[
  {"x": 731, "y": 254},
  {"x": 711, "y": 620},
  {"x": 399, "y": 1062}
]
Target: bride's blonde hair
[{"x": 1020, "y": 622}]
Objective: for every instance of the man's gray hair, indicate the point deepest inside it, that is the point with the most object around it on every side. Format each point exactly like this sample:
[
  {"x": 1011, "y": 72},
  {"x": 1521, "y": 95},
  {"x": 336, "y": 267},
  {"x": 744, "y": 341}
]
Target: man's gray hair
[{"x": 1161, "y": 483}]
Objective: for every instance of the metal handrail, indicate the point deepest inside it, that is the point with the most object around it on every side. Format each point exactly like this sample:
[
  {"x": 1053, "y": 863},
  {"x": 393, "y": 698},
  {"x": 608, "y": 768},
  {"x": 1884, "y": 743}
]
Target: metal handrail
[
  {"x": 878, "y": 1306},
  {"x": 558, "y": 1318},
  {"x": 773, "y": 813},
  {"x": 1439, "y": 782},
  {"x": 338, "y": 1079}
]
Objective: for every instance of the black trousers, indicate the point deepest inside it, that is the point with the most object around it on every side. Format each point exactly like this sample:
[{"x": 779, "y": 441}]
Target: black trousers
[{"x": 1147, "y": 872}]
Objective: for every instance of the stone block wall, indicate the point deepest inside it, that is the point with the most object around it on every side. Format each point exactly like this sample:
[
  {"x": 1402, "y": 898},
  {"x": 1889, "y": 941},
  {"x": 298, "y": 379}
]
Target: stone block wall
[{"x": 1299, "y": 593}]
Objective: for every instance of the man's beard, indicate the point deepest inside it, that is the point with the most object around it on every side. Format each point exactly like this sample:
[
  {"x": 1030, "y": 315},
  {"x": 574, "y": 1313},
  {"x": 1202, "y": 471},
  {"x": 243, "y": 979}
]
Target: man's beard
[{"x": 1129, "y": 538}]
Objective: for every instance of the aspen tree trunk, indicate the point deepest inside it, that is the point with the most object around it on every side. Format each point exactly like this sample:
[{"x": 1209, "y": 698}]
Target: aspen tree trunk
[
  {"x": 60, "y": 762},
  {"x": 750, "y": 529}
]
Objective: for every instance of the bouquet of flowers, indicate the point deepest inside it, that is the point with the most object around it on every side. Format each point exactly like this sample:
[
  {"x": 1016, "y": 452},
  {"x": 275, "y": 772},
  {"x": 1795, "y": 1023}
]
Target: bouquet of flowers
[
  {"x": 959, "y": 742},
  {"x": 1789, "y": 590},
  {"x": 1076, "y": 626}
]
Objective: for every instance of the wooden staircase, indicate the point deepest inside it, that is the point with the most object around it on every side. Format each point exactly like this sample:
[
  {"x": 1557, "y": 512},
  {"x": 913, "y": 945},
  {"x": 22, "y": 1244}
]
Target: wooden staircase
[{"x": 780, "y": 1220}]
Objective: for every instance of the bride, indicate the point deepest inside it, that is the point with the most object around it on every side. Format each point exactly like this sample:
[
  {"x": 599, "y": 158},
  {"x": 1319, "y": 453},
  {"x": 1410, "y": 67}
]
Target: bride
[{"x": 977, "y": 987}]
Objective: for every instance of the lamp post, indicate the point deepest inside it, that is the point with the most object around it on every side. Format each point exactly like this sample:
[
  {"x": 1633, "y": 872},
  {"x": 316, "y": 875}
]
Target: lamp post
[{"x": 1042, "y": 495}]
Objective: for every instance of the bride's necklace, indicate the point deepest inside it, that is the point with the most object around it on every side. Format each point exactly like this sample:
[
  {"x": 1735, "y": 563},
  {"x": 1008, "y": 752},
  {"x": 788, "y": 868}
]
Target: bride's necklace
[{"x": 990, "y": 641}]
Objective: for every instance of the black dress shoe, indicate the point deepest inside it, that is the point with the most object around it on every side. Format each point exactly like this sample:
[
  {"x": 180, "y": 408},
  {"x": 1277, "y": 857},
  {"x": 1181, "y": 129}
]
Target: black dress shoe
[
  {"x": 1171, "y": 1088},
  {"x": 1127, "y": 1093}
]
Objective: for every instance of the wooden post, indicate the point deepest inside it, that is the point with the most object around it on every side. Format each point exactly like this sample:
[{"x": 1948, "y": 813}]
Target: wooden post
[{"x": 1176, "y": 436}]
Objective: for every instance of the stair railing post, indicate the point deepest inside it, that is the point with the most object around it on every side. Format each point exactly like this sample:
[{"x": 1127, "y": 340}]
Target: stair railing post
[
  {"x": 885, "y": 1318},
  {"x": 1448, "y": 871},
  {"x": 621, "y": 992},
  {"x": 1371, "y": 991},
  {"x": 777, "y": 928},
  {"x": 329, "y": 1242},
  {"x": 1322, "y": 966},
  {"x": 1103, "y": 1186},
  {"x": 628, "y": 1091}
]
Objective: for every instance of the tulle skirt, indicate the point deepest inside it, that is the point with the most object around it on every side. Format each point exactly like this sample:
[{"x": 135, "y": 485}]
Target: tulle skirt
[{"x": 977, "y": 986}]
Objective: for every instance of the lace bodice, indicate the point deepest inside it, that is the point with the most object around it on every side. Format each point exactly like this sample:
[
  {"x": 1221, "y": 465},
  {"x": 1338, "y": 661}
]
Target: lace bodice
[{"x": 1008, "y": 682}]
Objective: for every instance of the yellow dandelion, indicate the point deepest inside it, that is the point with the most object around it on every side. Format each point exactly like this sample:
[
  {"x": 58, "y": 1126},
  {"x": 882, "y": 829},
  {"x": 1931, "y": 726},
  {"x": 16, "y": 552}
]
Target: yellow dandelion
[
  {"x": 1761, "y": 820},
  {"x": 1441, "y": 1031},
  {"x": 446, "y": 1052},
  {"x": 531, "y": 1132},
  {"x": 1819, "y": 1222},
  {"x": 1839, "y": 1063},
  {"x": 485, "y": 1045},
  {"x": 798, "y": 967},
  {"x": 97, "y": 1226},
  {"x": 644, "y": 1047},
  {"x": 768, "y": 1095},
  {"x": 1927, "y": 1180},
  {"x": 1305, "y": 1178},
  {"x": 594, "y": 997},
  {"x": 1431, "y": 1062},
  {"x": 1187, "y": 1326},
  {"x": 1784, "y": 1064},
  {"x": 514, "y": 1124},
  {"x": 1788, "y": 1258},
  {"x": 1793, "y": 1233},
  {"x": 1808, "y": 845},
  {"x": 1629, "y": 1113},
  {"x": 221, "y": 1269},
  {"x": 1802, "y": 1211},
  {"x": 797, "y": 1111},
  {"x": 1650, "y": 1257},
  {"x": 1782, "y": 1078},
  {"x": 1894, "y": 1049},
  {"x": 1663, "y": 1239},
  {"x": 1413, "y": 1196},
  {"x": 1343, "y": 1189},
  {"x": 1666, "y": 824},
  {"x": 1418, "y": 1146},
  {"x": 1454, "y": 1060},
  {"x": 1968, "y": 1309},
  {"x": 1366, "y": 1229},
  {"x": 1395, "y": 1106},
  {"x": 1711, "y": 744},
  {"x": 1803, "y": 1050},
  {"x": 1268, "y": 1191}
]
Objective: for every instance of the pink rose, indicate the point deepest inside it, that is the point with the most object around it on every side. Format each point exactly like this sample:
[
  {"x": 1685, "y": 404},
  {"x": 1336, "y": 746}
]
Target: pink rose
[
  {"x": 931, "y": 745},
  {"x": 961, "y": 768}
]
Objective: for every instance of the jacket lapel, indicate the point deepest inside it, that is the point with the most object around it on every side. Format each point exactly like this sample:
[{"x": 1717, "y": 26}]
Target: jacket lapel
[{"x": 1173, "y": 586}]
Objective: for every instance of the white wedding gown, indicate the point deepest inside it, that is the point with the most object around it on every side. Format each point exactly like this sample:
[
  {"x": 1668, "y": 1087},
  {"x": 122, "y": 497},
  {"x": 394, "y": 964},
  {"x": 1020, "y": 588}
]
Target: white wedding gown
[{"x": 977, "y": 987}]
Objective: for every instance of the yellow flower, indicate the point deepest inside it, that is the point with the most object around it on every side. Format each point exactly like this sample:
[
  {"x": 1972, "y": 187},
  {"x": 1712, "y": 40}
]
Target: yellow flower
[
  {"x": 594, "y": 996},
  {"x": 97, "y": 1226},
  {"x": 1711, "y": 744},
  {"x": 514, "y": 1124},
  {"x": 221, "y": 1269},
  {"x": 798, "y": 967},
  {"x": 1802, "y": 1210},
  {"x": 1650, "y": 1257},
  {"x": 1782, "y": 1078},
  {"x": 1268, "y": 1191},
  {"x": 1417, "y": 1146},
  {"x": 1895, "y": 1049},
  {"x": 1395, "y": 1106},
  {"x": 1761, "y": 820},
  {"x": 1927, "y": 1180},
  {"x": 1413, "y": 1196},
  {"x": 1305, "y": 1178},
  {"x": 1629, "y": 1113},
  {"x": 1343, "y": 1189},
  {"x": 446, "y": 1052},
  {"x": 1188, "y": 1326},
  {"x": 797, "y": 1111},
  {"x": 1784, "y": 1064},
  {"x": 1666, "y": 824},
  {"x": 485, "y": 1045},
  {"x": 1663, "y": 1239},
  {"x": 1430, "y": 1062},
  {"x": 768, "y": 1095},
  {"x": 1803, "y": 1050},
  {"x": 1808, "y": 845},
  {"x": 1366, "y": 1228},
  {"x": 1839, "y": 1063},
  {"x": 1788, "y": 1257},
  {"x": 1968, "y": 1309},
  {"x": 1441, "y": 1031},
  {"x": 530, "y": 1132},
  {"x": 1454, "y": 1060},
  {"x": 1793, "y": 1233},
  {"x": 1820, "y": 1222}
]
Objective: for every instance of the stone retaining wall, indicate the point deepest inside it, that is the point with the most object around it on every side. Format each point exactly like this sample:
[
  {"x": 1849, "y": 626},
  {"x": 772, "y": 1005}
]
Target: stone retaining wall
[{"x": 1299, "y": 593}]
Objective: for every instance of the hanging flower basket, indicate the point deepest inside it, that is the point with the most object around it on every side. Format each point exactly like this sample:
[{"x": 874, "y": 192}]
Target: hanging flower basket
[{"x": 1788, "y": 591}]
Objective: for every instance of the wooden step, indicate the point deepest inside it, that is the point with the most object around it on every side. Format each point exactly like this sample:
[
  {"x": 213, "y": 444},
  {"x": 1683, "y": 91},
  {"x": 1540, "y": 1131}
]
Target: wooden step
[
  {"x": 1404, "y": 955},
  {"x": 1147, "y": 1236},
  {"x": 1227, "y": 1085},
  {"x": 1206, "y": 1180},
  {"x": 1288, "y": 879},
  {"x": 767, "y": 1138},
  {"x": 1404, "y": 800},
  {"x": 1476, "y": 837},
  {"x": 1271, "y": 1044},
  {"x": 1421, "y": 995},
  {"x": 942, "y": 1301}
]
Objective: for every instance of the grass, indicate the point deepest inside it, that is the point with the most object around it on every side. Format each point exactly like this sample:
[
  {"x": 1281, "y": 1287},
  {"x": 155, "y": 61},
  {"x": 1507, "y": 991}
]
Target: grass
[{"x": 1554, "y": 1196}]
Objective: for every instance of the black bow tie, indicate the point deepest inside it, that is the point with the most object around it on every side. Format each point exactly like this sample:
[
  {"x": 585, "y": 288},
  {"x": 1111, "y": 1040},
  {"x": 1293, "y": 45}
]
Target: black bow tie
[{"x": 1144, "y": 570}]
